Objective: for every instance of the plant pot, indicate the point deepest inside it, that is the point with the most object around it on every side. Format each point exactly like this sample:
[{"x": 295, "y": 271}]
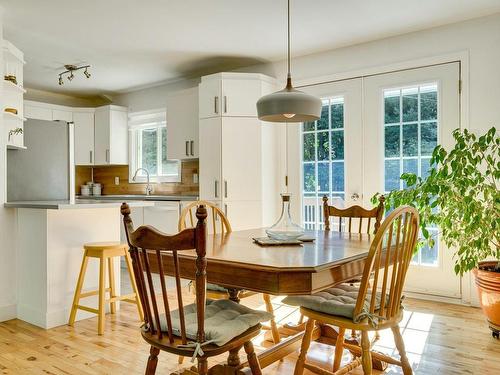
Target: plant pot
[{"x": 488, "y": 287}]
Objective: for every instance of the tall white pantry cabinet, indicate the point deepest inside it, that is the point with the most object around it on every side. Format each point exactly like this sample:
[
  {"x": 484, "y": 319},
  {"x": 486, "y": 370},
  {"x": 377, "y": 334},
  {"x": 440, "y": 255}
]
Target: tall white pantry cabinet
[{"x": 238, "y": 153}]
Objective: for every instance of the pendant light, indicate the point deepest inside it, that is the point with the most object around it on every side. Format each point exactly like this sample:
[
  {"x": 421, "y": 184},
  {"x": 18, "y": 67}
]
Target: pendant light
[{"x": 289, "y": 104}]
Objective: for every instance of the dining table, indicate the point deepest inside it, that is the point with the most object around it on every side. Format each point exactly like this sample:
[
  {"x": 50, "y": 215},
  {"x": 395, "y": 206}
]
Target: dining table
[{"x": 237, "y": 262}]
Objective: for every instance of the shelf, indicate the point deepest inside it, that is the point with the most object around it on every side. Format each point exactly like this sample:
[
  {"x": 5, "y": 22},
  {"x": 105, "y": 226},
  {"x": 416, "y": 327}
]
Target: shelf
[
  {"x": 12, "y": 116},
  {"x": 16, "y": 147},
  {"x": 8, "y": 85}
]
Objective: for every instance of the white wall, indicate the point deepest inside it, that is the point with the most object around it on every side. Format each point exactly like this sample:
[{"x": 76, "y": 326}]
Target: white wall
[{"x": 7, "y": 228}]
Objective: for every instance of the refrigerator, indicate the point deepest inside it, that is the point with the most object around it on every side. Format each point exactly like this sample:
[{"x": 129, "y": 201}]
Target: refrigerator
[{"x": 45, "y": 170}]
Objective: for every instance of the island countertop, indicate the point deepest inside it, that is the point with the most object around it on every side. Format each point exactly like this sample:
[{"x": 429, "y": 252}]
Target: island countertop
[{"x": 77, "y": 204}]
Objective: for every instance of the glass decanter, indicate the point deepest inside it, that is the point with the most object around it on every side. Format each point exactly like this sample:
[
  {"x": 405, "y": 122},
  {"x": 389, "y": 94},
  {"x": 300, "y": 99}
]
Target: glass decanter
[{"x": 285, "y": 229}]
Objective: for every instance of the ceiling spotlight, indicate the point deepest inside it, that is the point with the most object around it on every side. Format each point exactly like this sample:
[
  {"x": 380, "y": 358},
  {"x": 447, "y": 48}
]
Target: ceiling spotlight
[{"x": 69, "y": 71}]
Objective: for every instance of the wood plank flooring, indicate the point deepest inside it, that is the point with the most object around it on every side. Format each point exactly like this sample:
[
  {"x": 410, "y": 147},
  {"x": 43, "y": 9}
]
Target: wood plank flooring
[{"x": 440, "y": 339}]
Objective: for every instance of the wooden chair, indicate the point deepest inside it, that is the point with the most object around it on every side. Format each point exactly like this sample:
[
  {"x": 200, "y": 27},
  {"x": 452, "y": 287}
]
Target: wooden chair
[
  {"x": 146, "y": 242},
  {"x": 377, "y": 306},
  {"x": 220, "y": 224}
]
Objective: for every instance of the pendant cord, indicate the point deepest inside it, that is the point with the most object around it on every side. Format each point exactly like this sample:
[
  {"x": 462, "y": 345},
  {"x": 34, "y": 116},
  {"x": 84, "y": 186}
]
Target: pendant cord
[{"x": 288, "y": 24}]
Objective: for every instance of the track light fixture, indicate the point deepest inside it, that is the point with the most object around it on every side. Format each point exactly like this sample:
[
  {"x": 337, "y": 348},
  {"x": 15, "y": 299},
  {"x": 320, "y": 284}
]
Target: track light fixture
[{"x": 70, "y": 69}]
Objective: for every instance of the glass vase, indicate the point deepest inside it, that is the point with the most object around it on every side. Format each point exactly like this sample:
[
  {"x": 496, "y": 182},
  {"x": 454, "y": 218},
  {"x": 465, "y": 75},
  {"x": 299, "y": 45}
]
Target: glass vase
[{"x": 285, "y": 229}]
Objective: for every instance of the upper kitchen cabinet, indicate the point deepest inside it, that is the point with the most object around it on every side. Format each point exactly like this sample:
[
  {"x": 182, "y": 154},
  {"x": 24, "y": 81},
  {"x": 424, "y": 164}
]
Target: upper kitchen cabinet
[
  {"x": 84, "y": 136},
  {"x": 111, "y": 135},
  {"x": 232, "y": 94},
  {"x": 182, "y": 125}
]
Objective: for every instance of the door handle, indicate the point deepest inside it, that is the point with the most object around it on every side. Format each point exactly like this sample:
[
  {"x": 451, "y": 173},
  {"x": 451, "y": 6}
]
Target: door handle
[
  {"x": 187, "y": 148},
  {"x": 90, "y": 157},
  {"x": 192, "y": 148},
  {"x": 355, "y": 196},
  {"x": 225, "y": 104},
  {"x": 225, "y": 188},
  {"x": 216, "y": 104},
  {"x": 216, "y": 189}
]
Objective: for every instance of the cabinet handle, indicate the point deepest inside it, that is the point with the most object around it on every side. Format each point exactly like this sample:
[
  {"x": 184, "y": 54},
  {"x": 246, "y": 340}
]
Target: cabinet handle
[
  {"x": 91, "y": 157},
  {"x": 187, "y": 148},
  {"x": 192, "y": 148},
  {"x": 216, "y": 189},
  {"x": 216, "y": 104},
  {"x": 107, "y": 156},
  {"x": 225, "y": 209},
  {"x": 225, "y": 188},
  {"x": 225, "y": 104}
]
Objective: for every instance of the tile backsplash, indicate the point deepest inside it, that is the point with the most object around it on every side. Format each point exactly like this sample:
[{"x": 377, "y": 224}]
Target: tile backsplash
[{"x": 106, "y": 176}]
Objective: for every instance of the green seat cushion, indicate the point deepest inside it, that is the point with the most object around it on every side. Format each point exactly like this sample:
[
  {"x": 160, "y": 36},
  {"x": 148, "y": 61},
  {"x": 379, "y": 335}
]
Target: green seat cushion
[
  {"x": 339, "y": 300},
  {"x": 224, "y": 320}
]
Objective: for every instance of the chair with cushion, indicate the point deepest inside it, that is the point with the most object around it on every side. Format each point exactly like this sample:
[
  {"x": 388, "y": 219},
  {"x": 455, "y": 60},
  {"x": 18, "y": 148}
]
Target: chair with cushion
[
  {"x": 200, "y": 330},
  {"x": 366, "y": 308},
  {"x": 218, "y": 223}
]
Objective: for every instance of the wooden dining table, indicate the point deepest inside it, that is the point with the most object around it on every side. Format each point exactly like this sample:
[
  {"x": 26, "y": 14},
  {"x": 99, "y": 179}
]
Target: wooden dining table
[{"x": 236, "y": 262}]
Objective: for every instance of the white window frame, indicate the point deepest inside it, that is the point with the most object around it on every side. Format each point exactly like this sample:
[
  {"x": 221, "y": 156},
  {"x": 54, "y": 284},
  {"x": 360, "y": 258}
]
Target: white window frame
[{"x": 138, "y": 121}]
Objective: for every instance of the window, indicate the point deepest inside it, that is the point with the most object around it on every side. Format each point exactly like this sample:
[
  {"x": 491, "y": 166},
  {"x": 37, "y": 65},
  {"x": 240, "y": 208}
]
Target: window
[
  {"x": 410, "y": 135},
  {"x": 323, "y": 161},
  {"x": 148, "y": 148}
]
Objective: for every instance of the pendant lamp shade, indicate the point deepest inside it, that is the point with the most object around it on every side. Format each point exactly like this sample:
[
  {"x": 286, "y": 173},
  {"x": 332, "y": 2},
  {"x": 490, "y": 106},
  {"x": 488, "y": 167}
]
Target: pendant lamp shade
[{"x": 289, "y": 104}]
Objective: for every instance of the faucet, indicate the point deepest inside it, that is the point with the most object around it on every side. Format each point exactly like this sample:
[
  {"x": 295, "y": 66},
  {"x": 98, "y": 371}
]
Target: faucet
[{"x": 149, "y": 188}]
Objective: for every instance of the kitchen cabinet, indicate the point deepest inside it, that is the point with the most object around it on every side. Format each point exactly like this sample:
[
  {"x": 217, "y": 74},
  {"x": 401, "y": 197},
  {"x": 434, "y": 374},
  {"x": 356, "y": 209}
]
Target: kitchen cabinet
[
  {"x": 84, "y": 137},
  {"x": 58, "y": 115},
  {"x": 163, "y": 216},
  {"x": 238, "y": 152},
  {"x": 231, "y": 94},
  {"x": 182, "y": 125},
  {"x": 38, "y": 111},
  {"x": 111, "y": 135}
]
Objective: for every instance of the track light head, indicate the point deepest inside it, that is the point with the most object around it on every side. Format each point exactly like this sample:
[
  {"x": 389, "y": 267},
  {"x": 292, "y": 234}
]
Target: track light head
[
  {"x": 71, "y": 76},
  {"x": 87, "y": 74},
  {"x": 61, "y": 82}
]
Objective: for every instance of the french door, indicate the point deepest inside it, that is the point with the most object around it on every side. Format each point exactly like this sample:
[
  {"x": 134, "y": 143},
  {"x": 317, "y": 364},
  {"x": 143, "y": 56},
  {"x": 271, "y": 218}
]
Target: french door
[{"x": 373, "y": 129}]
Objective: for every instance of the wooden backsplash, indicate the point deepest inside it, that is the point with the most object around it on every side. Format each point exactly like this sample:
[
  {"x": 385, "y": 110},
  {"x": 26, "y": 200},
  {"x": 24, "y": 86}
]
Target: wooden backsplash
[{"x": 106, "y": 176}]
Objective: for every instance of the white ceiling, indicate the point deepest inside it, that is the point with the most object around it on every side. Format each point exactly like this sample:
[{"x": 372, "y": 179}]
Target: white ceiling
[{"x": 133, "y": 43}]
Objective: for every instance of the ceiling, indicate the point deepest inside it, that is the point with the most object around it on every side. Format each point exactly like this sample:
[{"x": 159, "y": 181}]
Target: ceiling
[{"x": 132, "y": 43}]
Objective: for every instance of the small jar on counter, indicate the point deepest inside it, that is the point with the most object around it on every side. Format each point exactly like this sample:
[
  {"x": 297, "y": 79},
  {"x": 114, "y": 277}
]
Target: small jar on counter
[{"x": 96, "y": 189}]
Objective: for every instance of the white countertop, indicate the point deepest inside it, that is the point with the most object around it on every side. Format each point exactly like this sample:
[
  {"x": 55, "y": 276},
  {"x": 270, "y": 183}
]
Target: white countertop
[{"x": 77, "y": 204}]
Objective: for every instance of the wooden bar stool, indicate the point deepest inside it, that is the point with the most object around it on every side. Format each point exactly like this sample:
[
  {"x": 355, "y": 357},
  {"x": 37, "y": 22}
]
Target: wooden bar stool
[{"x": 104, "y": 251}]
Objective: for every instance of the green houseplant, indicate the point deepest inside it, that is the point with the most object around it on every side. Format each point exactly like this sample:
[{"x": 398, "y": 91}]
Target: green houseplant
[{"x": 461, "y": 196}]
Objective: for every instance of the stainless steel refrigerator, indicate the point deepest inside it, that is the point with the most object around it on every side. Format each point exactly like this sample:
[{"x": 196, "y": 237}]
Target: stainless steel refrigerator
[{"x": 45, "y": 171}]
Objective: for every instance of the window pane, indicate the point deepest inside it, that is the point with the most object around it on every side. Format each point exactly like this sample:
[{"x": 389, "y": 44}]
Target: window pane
[
  {"x": 338, "y": 176},
  {"x": 308, "y": 126},
  {"x": 309, "y": 178},
  {"x": 428, "y": 103},
  {"x": 392, "y": 175},
  {"x": 410, "y": 166},
  {"x": 149, "y": 150},
  {"x": 322, "y": 123},
  {"x": 410, "y": 104},
  {"x": 391, "y": 107},
  {"x": 428, "y": 134},
  {"x": 337, "y": 116},
  {"x": 410, "y": 140},
  {"x": 309, "y": 151},
  {"x": 324, "y": 177},
  {"x": 392, "y": 141},
  {"x": 429, "y": 255},
  {"x": 425, "y": 167},
  {"x": 337, "y": 145},
  {"x": 323, "y": 146}
]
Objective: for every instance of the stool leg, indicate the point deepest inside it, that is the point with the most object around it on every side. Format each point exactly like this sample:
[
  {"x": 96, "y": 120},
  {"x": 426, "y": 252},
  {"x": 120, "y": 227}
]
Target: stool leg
[
  {"x": 112, "y": 292},
  {"x": 102, "y": 295},
  {"x": 134, "y": 285},
  {"x": 78, "y": 290}
]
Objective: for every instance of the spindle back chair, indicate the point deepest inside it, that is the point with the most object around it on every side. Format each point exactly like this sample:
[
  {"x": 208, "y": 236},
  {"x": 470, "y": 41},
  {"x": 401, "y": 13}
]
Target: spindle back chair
[
  {"x": 145, "y": 242},
  {"x": 378, "y": 305}
]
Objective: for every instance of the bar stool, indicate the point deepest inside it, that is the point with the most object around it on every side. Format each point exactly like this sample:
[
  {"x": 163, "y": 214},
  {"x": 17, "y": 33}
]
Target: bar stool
[{"x": 104, "y": 251}]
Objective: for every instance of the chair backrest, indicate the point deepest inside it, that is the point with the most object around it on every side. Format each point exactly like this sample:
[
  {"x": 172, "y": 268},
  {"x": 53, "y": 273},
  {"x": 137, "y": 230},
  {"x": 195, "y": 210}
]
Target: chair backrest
[
  {"x": 146, "y": 242},
  {"x": 388, "y": 259},
  {"x": 219, "y": 222},
  {"x": 354, "y": 212}
]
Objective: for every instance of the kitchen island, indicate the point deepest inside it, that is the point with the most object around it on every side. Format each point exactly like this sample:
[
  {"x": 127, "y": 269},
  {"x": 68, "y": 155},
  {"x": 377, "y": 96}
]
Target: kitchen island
[{"x": 50, "y": 237}]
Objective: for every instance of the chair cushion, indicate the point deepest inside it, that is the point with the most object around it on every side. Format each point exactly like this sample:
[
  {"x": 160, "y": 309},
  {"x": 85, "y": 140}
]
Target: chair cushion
[
  {"x": 224, "y": 320},
  {"x": 216, "y": 288},
  {"x": 339, "y": 300}
]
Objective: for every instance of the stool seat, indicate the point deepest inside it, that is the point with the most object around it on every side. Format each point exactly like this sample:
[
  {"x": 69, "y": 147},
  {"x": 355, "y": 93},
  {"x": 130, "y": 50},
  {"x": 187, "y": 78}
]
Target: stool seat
[{"x": 105, "y": 252}]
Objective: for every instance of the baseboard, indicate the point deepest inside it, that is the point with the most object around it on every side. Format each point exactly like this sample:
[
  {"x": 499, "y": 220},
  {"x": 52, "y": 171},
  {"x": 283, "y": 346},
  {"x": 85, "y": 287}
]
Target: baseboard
[
  {"x": 431, "y": 297},
  {"x": 8, "y": 312}
]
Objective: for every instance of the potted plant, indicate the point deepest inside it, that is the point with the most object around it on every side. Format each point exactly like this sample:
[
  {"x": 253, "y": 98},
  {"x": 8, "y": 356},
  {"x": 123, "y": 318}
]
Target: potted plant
[{"x": 461, "y": 196}]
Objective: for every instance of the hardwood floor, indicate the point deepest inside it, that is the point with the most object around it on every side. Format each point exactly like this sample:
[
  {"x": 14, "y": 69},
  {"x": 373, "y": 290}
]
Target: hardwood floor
[{"x": 440, "y": 339}]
